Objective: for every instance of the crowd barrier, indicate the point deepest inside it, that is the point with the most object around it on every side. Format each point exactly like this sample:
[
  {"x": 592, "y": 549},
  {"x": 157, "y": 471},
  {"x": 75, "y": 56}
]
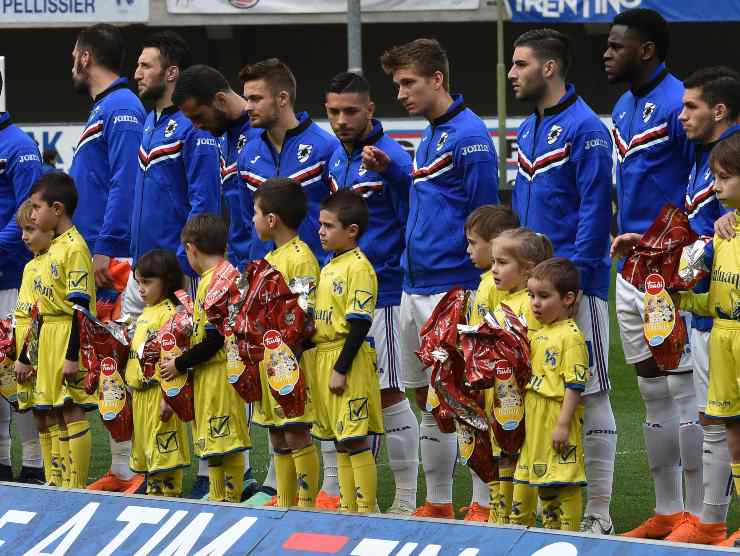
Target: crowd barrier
[{"x": 45, "y": 521}]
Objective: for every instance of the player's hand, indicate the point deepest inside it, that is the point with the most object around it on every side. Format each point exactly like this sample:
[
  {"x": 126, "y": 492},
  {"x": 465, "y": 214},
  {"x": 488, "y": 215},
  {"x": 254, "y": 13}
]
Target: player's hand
[
  {"x": 22, "y": 372},
  {"x": 337, "y": 383},
  {"x": 624, "y": 245},
  {"x": 374, "y": 159},
  {"x": 167, "y": 369},
  {"x": 560, "y": 438},
  {"x": 70, "y": 370},
  {"x": 724, "y": 226},
  {"x": 102, "y": 276},
  {"x": 165, "y": 411}
]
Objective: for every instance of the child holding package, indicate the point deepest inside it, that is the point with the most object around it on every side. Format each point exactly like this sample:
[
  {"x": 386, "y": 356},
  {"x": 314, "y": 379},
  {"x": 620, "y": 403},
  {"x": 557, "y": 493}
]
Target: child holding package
[
  {"x": 346, "y": 393},
  {"x": 159, "y": 447},
  {"x": 551, "y": 459},
  {"x": 220, "y": 430}
]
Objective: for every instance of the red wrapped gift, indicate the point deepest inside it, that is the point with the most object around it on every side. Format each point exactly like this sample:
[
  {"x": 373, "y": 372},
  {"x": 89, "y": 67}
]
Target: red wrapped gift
[
  {"x": 221, "y": 291},
  {"x": 104, "y": 350},
  {"x": 8, "y": 384},
  {"x": 660, "y": 249},
  {"x": 31, "y": 341},
  {"x": 270, "y": 327},
  {"x": 442, "y": 413},
  {"x": 174, "y": 338},
  {"x": 656, "y": 268},
  {"x": 474, "y": 450},
  {"x": 440, "y": 330}
]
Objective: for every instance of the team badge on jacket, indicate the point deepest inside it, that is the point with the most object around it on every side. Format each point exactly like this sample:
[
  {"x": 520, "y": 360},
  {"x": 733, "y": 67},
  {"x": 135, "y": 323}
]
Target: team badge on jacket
[
  {"x": 553, "y": 134},
  {"x": 170, "y": 129},
  {"x": 241, "y": 142},
  {"x": 442, "y": 140},
  {"x": 304, "y": 151},
  {"x": 647, "y": 111}
]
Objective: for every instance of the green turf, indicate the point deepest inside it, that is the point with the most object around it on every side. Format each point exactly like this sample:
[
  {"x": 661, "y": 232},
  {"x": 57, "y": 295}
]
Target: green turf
[{"x": 633, "y": 499}]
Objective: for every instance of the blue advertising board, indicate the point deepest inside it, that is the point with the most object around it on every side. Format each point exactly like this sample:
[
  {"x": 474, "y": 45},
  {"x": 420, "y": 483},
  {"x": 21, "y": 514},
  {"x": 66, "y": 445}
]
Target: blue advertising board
[
  {"x": 596, "y": 11},
  {"x": 37, "y": 521}
]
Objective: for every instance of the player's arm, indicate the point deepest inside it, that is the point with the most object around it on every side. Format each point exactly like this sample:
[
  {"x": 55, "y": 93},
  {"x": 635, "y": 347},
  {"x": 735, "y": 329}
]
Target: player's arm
[
  {"x": 245, "y": 194},
  {"x": 80, "y": 290},
  {"x": 362, "y": 292},
  {"x": 398, "y": 185},
  {"x": 123, "y": 132},
  {"x": 201, "y": 160},
  {"x": 592, "y": 156},
  {"x": 477, "y": 158},
  {"x": 574, "y": 372},
  {"x": 23, "y": 170},
  {"x": 378, "y": 160}
]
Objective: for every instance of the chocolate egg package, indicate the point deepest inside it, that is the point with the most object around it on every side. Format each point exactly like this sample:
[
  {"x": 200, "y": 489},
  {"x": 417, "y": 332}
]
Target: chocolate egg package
[{"x": 8, "y": 384}]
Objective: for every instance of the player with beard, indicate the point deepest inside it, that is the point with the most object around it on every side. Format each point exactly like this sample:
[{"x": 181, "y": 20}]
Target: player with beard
[
  {"x": 563, "y": 190},
  {"x": 455, "y": 171},
  {"x": 350, "y": 111},
  {"x": 179, "y": 165},
  {"x": 205, "y": 97},
  {"x": 105, "y": 162},
  {"x": 653, "y": 163},
  {"x": 288, "y": 145},
  {"x": 208, "y": 101}
]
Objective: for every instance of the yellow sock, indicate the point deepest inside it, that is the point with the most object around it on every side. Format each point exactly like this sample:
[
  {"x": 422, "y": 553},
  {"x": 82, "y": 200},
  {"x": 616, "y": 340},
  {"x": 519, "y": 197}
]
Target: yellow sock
[
  {"x": 56, "y": 462},
  {"x": 285, "y": 477},
  {"x": 80, "y": 444},
  {"x": 346, "y": 479},
  {"x": 493, "y": 499},
  {"x": 306, "y": 461},
  {"x": 366, "y": 480},
  {"x": 45, "y": 442},
  {"x": 166, "y": 483},
  {"x": 216, "y": 492},
  {"x": 571, "y": 507},
  {"x": 233, "y": 466},
  {"x": 154, "y": 486},
  {"x": 506, "y": 493},
  {"x": 65, "y": 462},
  {"x": 523, "y": 505},
  {"x": 736, "y": 477},
  {"x": 551, "y": 507}
]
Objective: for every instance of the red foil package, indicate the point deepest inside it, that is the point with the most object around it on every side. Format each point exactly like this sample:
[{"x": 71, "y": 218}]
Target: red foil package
[
  {"x": 655, "y": 268},
  {"x": 104, "y": 350},
  {"x": 174, "y": 338},
  {"x": 497, "y": 356},
  {"x": 474, "y": 450},
  {"x": 270, "y": 327},
  {"x": 439, "y": 349},
  {"x": 8, "y": 384}
]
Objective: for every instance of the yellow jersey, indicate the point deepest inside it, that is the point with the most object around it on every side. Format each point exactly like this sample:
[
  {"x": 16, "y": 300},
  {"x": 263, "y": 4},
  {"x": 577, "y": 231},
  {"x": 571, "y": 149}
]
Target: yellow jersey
[
  {"x": 200, "y": 322},
  {"x": 723, "y": 299},
  {"x": 485, "y": 300},
  {"x": 65, "y": 276},
  {"x": 296, "y": 260},
  {"x": 151, "y": 320},
  {"x": 348, "y": 289},
  {"x": 521, "y": 305},
  {"x": 559, "y": 359},
  {"x": 26, "y": 295}
]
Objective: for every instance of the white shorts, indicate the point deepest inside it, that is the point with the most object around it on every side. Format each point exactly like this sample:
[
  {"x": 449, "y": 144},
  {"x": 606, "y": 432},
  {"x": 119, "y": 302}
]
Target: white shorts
[
  {"x": 700, "y": 353},
  {"x": 593, "y": 320},
  {"x": 8, "y": 300},
  {"x": 414, "y": 312},
  {"x": 132, "y": 303},
  {"x": 630, "y": 303},
  {"x": 384, "y": 332}
]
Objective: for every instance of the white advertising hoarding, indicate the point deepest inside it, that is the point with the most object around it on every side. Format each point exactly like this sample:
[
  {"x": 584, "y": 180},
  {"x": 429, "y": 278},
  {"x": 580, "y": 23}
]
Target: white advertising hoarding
[
  {"x": 44, "y": 12},
  {"x": 313, "y": 7}
]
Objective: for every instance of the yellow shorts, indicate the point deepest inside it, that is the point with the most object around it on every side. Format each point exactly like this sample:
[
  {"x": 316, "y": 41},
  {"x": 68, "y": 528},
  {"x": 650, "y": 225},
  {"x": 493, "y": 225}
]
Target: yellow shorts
[
  {"x": 723, "y": 398},
  {"x": 220, "y": 424},
  {"x": 156, "y": 445},
  {"x": 25, "y": 391},
  {"x": 268, "y": 412},
  {"x": 539, "y": 464},
  {"x": 51, "y": 392},
  {"x": 357, "y": 412}
]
